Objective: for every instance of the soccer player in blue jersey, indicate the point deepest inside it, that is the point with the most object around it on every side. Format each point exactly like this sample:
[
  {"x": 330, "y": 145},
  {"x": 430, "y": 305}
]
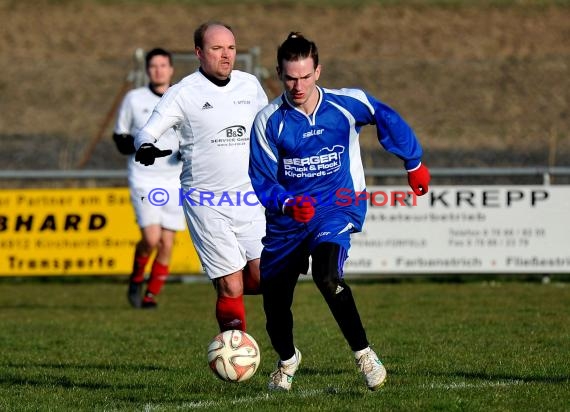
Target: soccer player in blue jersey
[{"x": 304, "y": 152}]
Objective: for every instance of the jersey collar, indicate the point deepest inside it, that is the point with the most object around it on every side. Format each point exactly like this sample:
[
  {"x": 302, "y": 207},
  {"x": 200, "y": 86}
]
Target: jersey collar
[
  {"x": 217, "y": 82},
  {"x": 153, "y": 90},
  {"x": 310, "y": 117}
]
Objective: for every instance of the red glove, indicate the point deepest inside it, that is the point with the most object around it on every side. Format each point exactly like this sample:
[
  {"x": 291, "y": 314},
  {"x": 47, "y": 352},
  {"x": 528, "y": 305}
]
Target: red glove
[
  {"x": 418, "y": 180},
  {"x": 301, "y": 208}
]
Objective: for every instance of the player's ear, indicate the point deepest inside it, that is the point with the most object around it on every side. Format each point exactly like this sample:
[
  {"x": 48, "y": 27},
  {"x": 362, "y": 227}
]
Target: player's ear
[
  {"x": 278, "y": 69},
  {"x": 317, "y": 72}
]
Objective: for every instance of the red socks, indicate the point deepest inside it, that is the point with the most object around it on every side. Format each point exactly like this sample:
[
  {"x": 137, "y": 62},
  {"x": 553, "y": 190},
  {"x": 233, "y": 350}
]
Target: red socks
[
  {"x": 158, "y": 275},
  {"x": 230, "y": 313},
  {"x": 139, "y": 265}
]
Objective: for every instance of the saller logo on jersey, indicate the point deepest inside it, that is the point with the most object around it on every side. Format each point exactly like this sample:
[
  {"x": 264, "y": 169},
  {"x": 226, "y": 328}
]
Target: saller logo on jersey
[
  {"x": 233, "y": 131},
  {"x": 310, "y": 133}
]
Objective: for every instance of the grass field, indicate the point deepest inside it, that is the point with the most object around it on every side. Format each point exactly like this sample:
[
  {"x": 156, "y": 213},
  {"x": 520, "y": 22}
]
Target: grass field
[{"x": 472, "y": 346}]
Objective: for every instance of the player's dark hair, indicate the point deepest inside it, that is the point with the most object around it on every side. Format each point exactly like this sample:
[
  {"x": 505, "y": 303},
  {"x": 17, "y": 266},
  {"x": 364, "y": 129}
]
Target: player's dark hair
[
  {"x": 297, "y": 47},
  {"x": 201, "y": 30},
  {"x": 157, "y": 52}
]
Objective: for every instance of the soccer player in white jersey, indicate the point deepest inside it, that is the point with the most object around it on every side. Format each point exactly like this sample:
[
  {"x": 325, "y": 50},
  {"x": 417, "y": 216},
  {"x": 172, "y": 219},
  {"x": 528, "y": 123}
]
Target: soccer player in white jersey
[
  {"x": 306, "y": 169},
  {"x": 158, "y": 224},
  {"x": 213, "y": 109}
]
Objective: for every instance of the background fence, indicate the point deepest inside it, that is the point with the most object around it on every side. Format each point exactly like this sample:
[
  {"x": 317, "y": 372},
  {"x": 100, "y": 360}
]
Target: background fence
[
  {"x": 501, "y": 113},
  {"x": 541, "y": 175}
]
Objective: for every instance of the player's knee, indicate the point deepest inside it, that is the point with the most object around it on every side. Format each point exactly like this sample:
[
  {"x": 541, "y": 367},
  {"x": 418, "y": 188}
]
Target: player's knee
[
  {"x": 165, "y": 247},
  {"x": 325, "y": 268},
  {"x": 150, "y": 242},
  {"x": 146, "y": 247},
  {"x": 326, "y": 278},
  {"x": 327, "y": 286},
  {"x": 230, "y": 285},
  {"x": 167, "y": 240}
]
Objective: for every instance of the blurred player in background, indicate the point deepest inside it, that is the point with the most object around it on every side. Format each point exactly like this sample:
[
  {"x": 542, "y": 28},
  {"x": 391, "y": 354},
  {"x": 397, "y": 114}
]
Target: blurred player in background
[
  {"x": 158, "y": 224},
  {"x": 214, "y": 109},
  {"x": 304, "y": 148}
]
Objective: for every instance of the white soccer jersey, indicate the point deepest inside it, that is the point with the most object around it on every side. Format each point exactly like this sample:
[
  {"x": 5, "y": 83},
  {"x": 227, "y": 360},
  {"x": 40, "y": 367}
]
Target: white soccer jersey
[
  {"x": 135, "y": 110},
  {"x": 214, "y": 124}
]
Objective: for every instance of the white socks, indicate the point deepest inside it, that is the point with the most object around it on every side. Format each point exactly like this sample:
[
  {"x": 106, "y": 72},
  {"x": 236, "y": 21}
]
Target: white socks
[{"x": 290, "y": 361}]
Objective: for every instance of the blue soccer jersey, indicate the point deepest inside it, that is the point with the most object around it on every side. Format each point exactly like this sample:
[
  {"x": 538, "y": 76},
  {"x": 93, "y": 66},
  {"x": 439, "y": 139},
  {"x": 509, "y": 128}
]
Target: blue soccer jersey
[{"x": 318, "y": 155}]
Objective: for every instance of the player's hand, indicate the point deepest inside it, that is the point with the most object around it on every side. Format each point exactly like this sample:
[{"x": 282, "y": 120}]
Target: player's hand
[
  {"x": 300, "y": 208},
  {"x": 419, "y": 180},
  {"x": 125, "y": 143},
  {"x": 148, "y": 152}
]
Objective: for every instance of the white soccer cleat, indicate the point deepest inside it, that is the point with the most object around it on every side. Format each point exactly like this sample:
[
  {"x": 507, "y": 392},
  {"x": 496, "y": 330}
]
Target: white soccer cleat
[
  {"x": 372, "y": 369},
  {"x": 282, "y": 378}
]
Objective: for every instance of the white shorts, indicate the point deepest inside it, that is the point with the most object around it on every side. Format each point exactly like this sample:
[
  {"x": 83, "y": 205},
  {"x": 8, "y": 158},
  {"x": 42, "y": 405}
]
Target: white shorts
[
  {"x": 156, "y": 206},
  {"x": 225, "y": 237}
]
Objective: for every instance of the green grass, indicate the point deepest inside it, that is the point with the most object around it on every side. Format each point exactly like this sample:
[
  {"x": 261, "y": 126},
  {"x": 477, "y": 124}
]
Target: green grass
[{"x": 475, "y": 346}]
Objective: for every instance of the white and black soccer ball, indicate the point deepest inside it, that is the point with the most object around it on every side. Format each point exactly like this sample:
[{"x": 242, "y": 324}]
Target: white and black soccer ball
[{"x": 233, "y": 356}]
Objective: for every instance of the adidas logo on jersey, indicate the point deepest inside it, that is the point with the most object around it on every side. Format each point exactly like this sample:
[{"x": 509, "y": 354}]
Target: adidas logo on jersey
[{"x": 207, "y": 106}]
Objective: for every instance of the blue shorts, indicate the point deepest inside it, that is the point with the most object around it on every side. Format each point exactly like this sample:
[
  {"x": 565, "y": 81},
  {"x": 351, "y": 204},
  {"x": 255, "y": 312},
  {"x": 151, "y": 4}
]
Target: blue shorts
[{"x": 291, "y": 252}]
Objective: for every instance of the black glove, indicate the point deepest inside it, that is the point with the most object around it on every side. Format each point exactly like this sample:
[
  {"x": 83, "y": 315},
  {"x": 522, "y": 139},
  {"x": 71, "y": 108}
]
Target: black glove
[
  {"x": 125, "y": 143},
  {"x": 148, "y": 152}
]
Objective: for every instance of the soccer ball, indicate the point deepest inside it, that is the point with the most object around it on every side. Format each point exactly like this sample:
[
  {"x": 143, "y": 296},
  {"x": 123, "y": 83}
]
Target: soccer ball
[{"x": 233, "y": 356}]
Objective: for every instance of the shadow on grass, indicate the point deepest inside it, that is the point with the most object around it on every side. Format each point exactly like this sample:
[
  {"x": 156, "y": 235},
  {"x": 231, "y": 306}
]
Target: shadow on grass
[
  {"x": 46, "y": 306},
  {"x": 65, "y": 382},
  {"x": 485, "y": 376},
  {"x": 145, "y": 386},
  {"x": 86, "y": 366},
  {"x": 127, "y": 390},
  {"x": 49, "y": 375}
]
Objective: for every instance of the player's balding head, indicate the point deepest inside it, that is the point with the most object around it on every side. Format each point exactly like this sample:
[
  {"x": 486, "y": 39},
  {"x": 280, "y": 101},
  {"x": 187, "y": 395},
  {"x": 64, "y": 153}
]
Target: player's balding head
[{"x": 200, "y": 32}]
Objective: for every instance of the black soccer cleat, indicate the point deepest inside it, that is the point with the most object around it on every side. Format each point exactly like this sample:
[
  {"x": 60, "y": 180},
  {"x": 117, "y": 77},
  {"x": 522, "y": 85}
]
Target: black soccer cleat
[{"x": 134, "y": 294}]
